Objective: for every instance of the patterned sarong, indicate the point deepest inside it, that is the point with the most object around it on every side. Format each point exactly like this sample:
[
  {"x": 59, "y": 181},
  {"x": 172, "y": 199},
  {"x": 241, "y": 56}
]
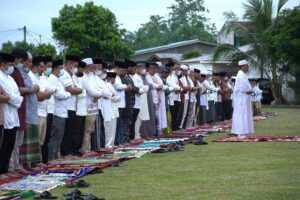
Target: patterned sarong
[{"x": 30, "y": 150}]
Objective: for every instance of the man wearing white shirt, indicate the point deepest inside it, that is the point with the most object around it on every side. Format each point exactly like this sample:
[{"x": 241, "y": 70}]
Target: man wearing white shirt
[
  {"x": 60, "y": 111},
  {"x": 242, "y": 119},
  {"x": 121, "y": 88},
  {"x": 174, "y": 96},
  {"x": 210, "y": 90},
  {"x": 37, "y": 76},
  {"x": 98, "y": 139},
  {"x": 70, "y": 69},
  {"x": 93, "y": 95},
  {"x": 187, "y": 92},
  {"x": 141, "y": 112},
  {"x": 111, "y": 110},
  {"x": 50, "y": 105},
  {"x": 11, "y": 100}
]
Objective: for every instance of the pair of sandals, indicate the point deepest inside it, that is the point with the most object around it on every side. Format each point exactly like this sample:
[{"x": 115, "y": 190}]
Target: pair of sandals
[
  {"x": 78, "y": 184},
  {"x": 44, "y": 195},
  {"x": 76, "y": 194}
]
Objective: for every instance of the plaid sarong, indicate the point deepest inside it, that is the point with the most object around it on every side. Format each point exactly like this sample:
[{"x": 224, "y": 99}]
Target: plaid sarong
[{"x": 30, "y": 150}]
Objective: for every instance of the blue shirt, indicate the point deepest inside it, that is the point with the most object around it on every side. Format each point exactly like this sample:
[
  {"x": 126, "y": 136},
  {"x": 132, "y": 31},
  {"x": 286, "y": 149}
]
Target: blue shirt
[{"x": 32, "y": 101}]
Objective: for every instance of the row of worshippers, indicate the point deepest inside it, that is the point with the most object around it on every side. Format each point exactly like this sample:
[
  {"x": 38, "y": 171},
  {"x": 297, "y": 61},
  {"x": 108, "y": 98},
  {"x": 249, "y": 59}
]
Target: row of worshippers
[{"x": 55, "y": 109}]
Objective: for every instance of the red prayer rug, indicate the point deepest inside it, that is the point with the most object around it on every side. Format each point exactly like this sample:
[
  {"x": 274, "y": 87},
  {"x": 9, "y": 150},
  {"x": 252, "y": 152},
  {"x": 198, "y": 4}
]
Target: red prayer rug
[{"x": 260, "y": 139}]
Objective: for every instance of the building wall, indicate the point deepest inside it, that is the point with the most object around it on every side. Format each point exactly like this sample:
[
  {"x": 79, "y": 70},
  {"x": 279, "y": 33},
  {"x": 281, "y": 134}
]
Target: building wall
[{"x": 226, "y": 39}]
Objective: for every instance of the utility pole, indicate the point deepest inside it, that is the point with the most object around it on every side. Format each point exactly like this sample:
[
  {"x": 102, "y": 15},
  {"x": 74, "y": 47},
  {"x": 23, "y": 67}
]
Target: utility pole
[
  {"x": 40, "y": 39},
  {"x": 25, "y": 31}
]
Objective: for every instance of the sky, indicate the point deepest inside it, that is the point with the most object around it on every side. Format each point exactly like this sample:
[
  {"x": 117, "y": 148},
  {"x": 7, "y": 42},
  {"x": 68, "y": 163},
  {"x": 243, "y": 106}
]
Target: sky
[{"x": 36, "y": 14}]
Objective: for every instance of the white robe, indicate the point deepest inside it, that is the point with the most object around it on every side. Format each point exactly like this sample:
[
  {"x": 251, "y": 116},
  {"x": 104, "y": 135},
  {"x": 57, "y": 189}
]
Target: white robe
[
  {"x": 242, "y": 119},
  {"x": 162, "y": 111}
]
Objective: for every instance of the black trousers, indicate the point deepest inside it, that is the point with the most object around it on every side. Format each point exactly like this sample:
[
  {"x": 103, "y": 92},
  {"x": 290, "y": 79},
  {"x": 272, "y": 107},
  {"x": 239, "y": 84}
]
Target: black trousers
[
  {"x": 9, "y": 139},
  {"x": 229, "y": 112},
  {"x": 176, "y": 115},
  {"x": 78, "y": 133},
  {"x": 70, "y": 126},
  {"x": 102, "y": 136},
  {"x": 132, "y": 125},
  {"x": 1, "y": 134},
  {"x": 219, "y": 112},
  {"x": 47, "y": 138}
]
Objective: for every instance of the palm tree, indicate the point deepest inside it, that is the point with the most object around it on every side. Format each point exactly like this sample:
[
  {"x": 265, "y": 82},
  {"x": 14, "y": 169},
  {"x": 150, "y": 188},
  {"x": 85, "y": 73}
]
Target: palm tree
[{"x": 261, "y": 14}]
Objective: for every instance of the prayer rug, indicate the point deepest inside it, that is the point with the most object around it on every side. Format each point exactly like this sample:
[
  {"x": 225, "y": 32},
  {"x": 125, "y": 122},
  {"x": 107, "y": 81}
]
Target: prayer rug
[
  {"x": 39, "y": 183},
  {"x": 260, "y": 139}
]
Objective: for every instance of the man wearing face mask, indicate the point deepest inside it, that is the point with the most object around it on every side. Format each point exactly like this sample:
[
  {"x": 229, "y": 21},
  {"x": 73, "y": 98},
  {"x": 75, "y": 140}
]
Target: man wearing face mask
[
  {"x": 81, "y": 111},
  {"x": 121, "y": 88},
  {"x": 130, "y": 97},
  {"x": 98, "y": 140},
  {"x": 61, "y": 97},
  {"x": 174, "y": 96},
  {"x": 28, "y": 121},
  {"x": 186, "y": 83},
  {"x": 50, "y": 104},
  {"x": 70, "y": 69},
  {"x": 141, "y": 112},
  {"x": 11, "y": 100},
  {"x": 43, "y": 95},
  {"x": 210, "y": 90},
  {"x": 93, "y": 95}
]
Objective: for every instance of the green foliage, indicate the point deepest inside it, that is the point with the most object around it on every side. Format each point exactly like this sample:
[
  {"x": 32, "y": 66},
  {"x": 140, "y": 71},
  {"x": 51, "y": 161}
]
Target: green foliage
[
  {"x": 35, "y": 50},
  {"x": 186, "y": 21},
  {"x": 90, "y": 30},
  {"x": 192, "y": 54},
  {"x": 229, "y": 15},
  {"x": 270, "y": 42}
]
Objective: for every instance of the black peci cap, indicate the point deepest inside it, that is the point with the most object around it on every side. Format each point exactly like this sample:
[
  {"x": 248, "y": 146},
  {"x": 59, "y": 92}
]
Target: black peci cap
[
  {"x": 81, "y": 64},
  {"x": 7, "y": 57},
  {"x": 97, "y": 60},
  {"x": 57, "y": 63},
  {"x": 73, "y": 58},
  {"x": 37, "y": 60},
  {"x": 111, "y": 74},
  {"x": 47, "y": 59},
  {"x": 20, "y": 53}
]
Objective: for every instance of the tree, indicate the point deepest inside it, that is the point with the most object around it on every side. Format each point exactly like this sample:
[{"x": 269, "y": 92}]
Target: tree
[
  {"x": 230, "y": 16},
  {"x": 90, "y": 30},
  {"x": 186, "y": 21},
  {"x": 261, "y": 14},
  {"x": 192, "y": 54},
  {"x": 41, "y": 49}
]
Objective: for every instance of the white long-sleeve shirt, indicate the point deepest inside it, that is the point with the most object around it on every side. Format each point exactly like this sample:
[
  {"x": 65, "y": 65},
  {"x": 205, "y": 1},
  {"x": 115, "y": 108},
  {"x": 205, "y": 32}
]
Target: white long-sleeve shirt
[
  {"x": 10, "y": 109},
  {"x": 120, "y": 88},
  {"x": 89, "y": 84},
  {"x": 172, "y": 81},
  {"x": 138, "y": 82},
  {"x": 60, "y": 97}
]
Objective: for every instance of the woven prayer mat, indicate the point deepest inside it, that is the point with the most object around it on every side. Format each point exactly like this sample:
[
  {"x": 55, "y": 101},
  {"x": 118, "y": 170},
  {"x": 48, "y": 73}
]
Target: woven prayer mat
[
  {"x": 39, "y": 183},
  {"x": 260, "y": 139}
]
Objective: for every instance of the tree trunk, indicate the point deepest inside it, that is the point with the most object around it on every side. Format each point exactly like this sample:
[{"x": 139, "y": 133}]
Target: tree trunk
[{"x": 277, "y": 86}]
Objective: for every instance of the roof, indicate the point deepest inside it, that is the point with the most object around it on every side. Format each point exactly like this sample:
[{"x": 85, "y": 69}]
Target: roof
[
  {"x": 161, "y": 56},
  {"x": 247, "y": 25},
  {"x": 172, "y": 45},
  {"x": 206, "y": 58}
]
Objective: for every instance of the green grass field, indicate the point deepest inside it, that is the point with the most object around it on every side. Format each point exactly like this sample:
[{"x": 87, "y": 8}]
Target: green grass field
[{"x": 254, "y": 170}]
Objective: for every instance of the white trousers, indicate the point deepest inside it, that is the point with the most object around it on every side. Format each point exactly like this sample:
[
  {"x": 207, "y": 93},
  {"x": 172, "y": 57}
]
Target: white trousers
[{"x": 110, "y": 132}]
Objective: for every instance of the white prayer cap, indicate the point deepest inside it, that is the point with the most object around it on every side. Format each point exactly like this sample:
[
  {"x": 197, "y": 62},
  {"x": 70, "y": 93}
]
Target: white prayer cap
[
  {"x": 88, "y": 61},
  {"x": 243, "y": 62},
  {"x": 184, "y": 67},
  {"x": 29, "y": 55},
  {"x": 208, "y": 72},
  {"x": 159, "y": 64},
  {"x": 233, "y": 77}
]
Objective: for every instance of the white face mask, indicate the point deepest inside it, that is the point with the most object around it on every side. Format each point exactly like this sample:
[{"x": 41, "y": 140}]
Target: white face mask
[
  {"x": 143, "y": 71},
  {"x": 103, "y": 76},
  {"x": 74, "y": 70},
  {"x": 98, "y": 72}
]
